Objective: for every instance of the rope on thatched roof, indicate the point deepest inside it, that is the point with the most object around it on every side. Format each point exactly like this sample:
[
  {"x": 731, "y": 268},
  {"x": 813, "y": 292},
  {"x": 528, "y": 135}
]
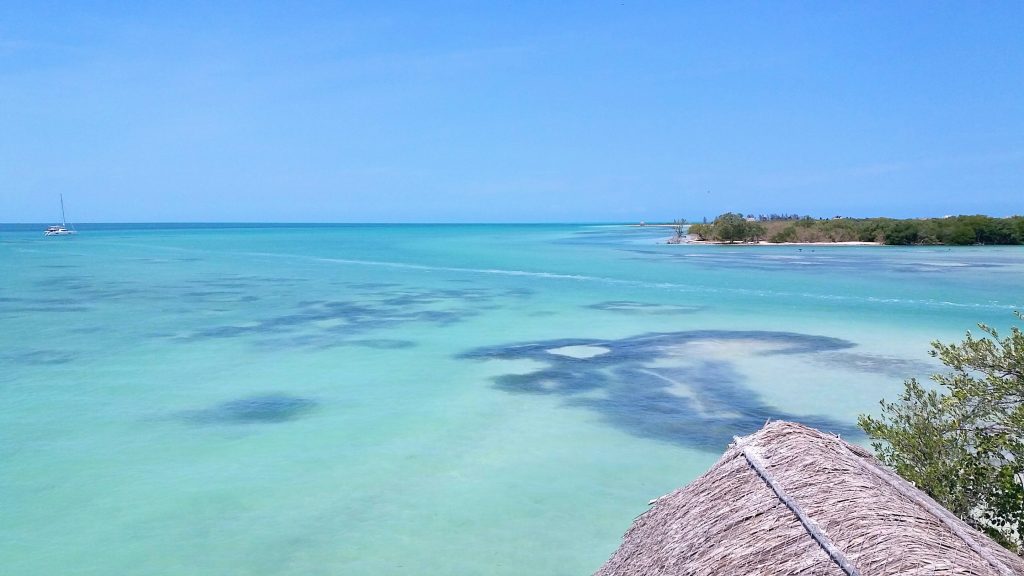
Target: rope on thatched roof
[
  {"x": 940, "y": 513},
  {"x": 809, "y": 525}
]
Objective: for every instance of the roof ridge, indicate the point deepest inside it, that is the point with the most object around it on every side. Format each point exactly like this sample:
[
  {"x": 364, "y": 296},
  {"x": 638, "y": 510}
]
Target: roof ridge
[
  {"x": 806, "y": 521},
  {"x": 951, "y": 522},
  {"x": 852, "y": 512}
]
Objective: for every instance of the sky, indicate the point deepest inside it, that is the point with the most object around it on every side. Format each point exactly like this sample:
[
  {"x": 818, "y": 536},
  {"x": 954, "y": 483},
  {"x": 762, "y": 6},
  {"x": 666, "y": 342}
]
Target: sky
[{"x": 508, "y": 111}]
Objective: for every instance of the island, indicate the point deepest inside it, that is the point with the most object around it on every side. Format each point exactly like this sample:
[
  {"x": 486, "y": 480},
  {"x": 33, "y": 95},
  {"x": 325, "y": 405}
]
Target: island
[{"x": 735, "y": 228}]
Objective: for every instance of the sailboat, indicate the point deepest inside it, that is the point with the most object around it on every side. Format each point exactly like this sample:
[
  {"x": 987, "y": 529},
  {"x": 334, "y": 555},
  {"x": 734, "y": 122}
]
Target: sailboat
[{"x": 61, "y": 230}]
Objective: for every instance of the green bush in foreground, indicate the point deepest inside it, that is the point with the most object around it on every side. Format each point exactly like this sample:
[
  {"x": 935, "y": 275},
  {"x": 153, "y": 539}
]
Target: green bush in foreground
[{"x": 963, "y": 444}]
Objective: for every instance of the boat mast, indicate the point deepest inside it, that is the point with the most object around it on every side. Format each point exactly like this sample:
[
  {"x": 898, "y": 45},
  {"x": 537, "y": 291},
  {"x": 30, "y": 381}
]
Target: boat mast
[{"x": 63, "y": 220}]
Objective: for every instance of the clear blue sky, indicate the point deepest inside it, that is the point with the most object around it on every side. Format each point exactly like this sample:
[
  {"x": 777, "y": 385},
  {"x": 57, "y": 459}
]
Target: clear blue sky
[{"x": 518, "y": 111}]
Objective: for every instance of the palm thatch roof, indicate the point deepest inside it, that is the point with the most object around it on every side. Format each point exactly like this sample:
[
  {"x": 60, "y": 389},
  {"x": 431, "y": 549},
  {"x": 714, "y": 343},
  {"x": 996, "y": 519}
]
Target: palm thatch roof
[{"x": 789, "y": 499}]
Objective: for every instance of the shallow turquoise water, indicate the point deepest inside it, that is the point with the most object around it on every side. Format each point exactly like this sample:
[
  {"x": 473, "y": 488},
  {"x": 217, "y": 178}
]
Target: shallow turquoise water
[{"x": 407, "y": 400}]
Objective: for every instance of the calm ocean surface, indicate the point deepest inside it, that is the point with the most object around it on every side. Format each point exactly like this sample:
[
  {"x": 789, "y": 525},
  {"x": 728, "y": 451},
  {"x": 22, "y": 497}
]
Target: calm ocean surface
[{"x": 429, "y": 400}]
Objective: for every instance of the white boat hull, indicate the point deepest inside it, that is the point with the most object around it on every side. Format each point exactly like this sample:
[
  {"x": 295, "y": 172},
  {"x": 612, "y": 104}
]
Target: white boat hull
[{"x": 62, "y": 228}]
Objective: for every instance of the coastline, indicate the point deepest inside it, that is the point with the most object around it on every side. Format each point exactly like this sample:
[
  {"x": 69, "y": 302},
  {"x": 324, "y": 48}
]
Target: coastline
[
  {"x": 767, "y": 243},
  {"x": 689, "y": 239},
  {"x": 843, "y": 231}
]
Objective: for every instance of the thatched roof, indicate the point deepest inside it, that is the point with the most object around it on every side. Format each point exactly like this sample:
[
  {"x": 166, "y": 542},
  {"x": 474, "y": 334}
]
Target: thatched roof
[{"x": 789, "y": 499}]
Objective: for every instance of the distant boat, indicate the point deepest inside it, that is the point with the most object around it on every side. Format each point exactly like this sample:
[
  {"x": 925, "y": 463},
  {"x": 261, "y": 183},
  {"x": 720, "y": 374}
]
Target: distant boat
[{"x": 61, "y": 230}]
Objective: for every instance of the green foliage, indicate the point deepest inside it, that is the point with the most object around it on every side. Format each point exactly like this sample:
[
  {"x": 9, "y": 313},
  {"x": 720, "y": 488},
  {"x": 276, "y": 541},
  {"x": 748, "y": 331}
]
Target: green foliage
[
  {"x": 730, "y": 227},
  {"x": 755, "y": 232},
  {"x": 963, "y": 443},
  {"x": 701, "y": 231},
  {"x": 957, "y": 230},
  {"x": 962, "y": 235},
  {"x": 902, "y": 232},
  {"x": 787, "y": 234},
  {"x": 871, "y": 231}
]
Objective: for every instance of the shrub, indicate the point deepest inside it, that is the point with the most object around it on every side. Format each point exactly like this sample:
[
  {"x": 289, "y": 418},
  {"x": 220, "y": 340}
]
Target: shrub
[{"x": 963, "y": 444}]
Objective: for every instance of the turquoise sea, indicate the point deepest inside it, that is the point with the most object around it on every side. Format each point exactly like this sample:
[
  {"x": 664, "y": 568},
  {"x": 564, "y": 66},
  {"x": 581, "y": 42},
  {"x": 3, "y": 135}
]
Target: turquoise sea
[{"x": 423, "y": 399}]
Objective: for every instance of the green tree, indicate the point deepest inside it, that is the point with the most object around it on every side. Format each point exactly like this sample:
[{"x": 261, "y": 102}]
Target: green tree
[
  {"x": 755, "y": 232},
  {"x": 963, "y": 443},
  {"x": 1017, "y": 227},
  {"x": 701, "y": 231},
  {"x": 961, "y": 235},
  {"x": 902, "y": 232},
  {"x": 731, "y": 227},
  {"x": 787, "y": 234}
]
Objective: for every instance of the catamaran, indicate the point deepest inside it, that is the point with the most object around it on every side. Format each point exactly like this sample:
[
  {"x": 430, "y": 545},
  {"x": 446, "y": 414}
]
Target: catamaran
[{"x": 61, "y": 230}]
